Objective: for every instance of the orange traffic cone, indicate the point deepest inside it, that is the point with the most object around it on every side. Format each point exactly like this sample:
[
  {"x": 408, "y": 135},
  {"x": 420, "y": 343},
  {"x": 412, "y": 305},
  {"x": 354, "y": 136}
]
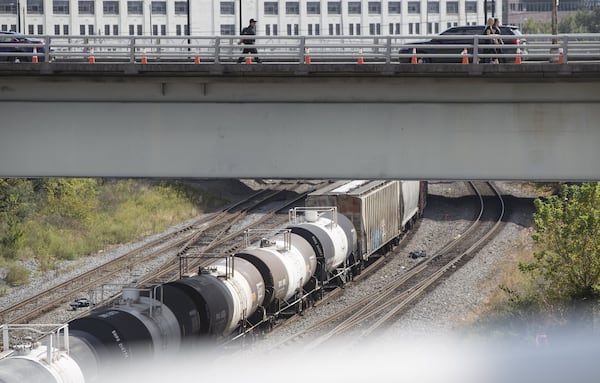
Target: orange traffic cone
[
  {"x": 248, "y": 60},
  {"x": 518, "y": 58},
  {"x": 413, "y": 59},
  {"x": 465, "y": 59},
  {"x": 306, "y": 56},
  {"x": 144, "y": 59},
  {"x": 197, "y": 57},
  {"x": 92, "y": 59},
  {"x": 561, "y": 59},
  {"x": 34, "y": 59},
  {"x": 360, "y": 59}
]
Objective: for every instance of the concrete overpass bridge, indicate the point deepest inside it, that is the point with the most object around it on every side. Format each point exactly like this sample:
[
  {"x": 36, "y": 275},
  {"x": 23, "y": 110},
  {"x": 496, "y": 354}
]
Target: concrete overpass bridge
[{"x": 538, "y": 121}]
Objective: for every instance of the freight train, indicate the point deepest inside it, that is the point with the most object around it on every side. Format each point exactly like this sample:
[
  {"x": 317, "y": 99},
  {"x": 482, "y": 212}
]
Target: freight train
[{"x": 327, "y": 242}]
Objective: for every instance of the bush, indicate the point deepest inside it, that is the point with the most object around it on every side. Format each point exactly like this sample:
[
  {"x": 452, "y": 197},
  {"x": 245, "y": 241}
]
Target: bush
[{"x": 17, "y": 275}]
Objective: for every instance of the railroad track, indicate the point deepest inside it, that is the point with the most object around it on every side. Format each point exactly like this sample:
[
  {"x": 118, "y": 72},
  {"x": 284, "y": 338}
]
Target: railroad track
[
  {"x": 373, "y": 312},
  {"x": 59, "y": 295}
]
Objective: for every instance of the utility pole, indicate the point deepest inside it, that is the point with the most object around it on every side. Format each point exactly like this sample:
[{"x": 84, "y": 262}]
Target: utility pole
[
  {"x": 241, "y": 25},
  {"x": 554, "y": 17}
]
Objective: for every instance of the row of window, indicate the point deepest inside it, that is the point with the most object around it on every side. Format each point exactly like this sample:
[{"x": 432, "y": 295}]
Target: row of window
[
  {"x": 62, "y": 7},
  {"x": 352, "y": 29},
  {"x": 354, "y": 7},
  {"x": 157, "y": 30}
]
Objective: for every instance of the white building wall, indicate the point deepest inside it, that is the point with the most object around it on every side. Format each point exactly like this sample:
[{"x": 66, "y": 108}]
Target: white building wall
[{"x": 206, "y": 18}]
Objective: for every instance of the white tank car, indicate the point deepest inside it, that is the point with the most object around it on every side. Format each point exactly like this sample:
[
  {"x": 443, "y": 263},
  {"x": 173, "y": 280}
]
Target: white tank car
[
  {"x": 32, "y": 362},
  {"x": 245, "y": 285},
  {"x": 331, "y": 235}
]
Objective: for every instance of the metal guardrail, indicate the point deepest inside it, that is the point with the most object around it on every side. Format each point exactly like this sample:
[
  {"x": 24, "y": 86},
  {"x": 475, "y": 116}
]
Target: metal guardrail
[{"x": 304, "y": 49}]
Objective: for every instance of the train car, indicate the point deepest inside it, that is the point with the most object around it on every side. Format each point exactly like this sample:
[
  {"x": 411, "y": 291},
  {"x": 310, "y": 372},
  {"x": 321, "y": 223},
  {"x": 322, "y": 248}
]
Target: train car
[
  {"x": 236, "y": 293},
  {"x": 379, "y": 210}
]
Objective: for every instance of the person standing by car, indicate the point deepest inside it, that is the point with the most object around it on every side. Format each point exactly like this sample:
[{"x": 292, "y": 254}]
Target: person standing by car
[
  {"x": 249, "y": 30},
  {"x": 498, "y": 41},
  {"x": 489, "y": 30}
]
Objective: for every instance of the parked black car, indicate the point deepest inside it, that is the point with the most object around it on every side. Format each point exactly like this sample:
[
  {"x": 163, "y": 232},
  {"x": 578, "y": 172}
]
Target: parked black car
[
  {"x": 510, "y": 35},
  {"x": 9, "y": 52}
]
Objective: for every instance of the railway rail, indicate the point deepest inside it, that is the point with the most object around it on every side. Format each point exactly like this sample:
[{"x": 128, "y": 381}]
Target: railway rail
[
  {"x": 59, "y": 295},
  {"x": 373, "y": 312}
]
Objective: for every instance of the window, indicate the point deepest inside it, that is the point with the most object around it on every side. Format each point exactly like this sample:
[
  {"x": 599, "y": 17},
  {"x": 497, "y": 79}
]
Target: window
[
  {"x": 60, "y": 7},
  {"x": 358, "y": 29},
  {"x": 227, "y": 29},
  {"x": 8, "y": 7},
  {"x": 40, "y": 29},
  {"x": 56, "y": 29},
  {"x": 135, "y": 7},
  {"x": 159, "y": 7},
  {"x": 310, "y": 29},
  {"x": 86, "y": 7},
  {"x": 354, "y": 8},
  {"x": 115, "y": 30},
  {"x": 139, "y": 29},
  {"x": 110, "y": 7},
  {"x": 452, "y": 7},
  {"x": 470, "y": 6},
  {"x": 394, "y": 7},
  {"x": 65, "y": 29},
  {"x": 275, "y": 32},
  {"x": 334, "y": 7},
  {"x": 397, "y": 30},
  {"x": 30, "y": 29},
  {"x": 374, "y": 8},
  {"x": 292, "y": 8},
  {"x": 35, "y": 7},
  {"x": 131, "y": 29},
  {"x": 414, "y": 7},
  {"x": 181, "y": 7},
  {"x": 106, "y": 30},
  {"x": 433, "y": 7},
  {"x": 163, "y": 30},
  {"x": 296, "y": 30},
  {"x": 374, "y": 29},
  {"x": 313, "y": 8},
  {"x": 338, "y": 29},
  {"x": 90, "y": 29},
  {"x": 268, "y": 29},
  {"x": 271, "y": 8},
  {"x": 330, "y": 29},
  {"x": 227, "y": 8},
  {"x": 317, "y": 29},
  {"x": 154, "y": 30},
  {"x": 350, "y": 29}
]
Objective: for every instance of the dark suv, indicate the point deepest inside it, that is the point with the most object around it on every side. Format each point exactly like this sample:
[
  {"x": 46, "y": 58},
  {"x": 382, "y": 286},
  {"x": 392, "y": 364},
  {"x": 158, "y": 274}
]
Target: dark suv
[
  {"x": 510, "y": 35},
  {"x": 10, "y": 52}
]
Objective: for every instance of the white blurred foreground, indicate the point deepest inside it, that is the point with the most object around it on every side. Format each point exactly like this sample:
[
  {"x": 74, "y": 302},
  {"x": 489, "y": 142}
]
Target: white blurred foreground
[{"x": 449, "y": 360}]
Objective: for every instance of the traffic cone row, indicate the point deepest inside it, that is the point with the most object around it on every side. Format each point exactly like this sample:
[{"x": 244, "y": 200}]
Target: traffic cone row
[
  {"x": 197, "y": 57},
  {"x": 91, "y": 58},
  {"x": 144, "y": 59},
  {"x": 465, "y": 58},
  {"x": 34, "y": 59},
  {"x": 248, "y": 60}
]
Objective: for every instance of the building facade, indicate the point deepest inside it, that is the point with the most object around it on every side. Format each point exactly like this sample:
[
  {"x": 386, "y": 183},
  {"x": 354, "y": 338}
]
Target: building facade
[{"x": 227, "y": 17}]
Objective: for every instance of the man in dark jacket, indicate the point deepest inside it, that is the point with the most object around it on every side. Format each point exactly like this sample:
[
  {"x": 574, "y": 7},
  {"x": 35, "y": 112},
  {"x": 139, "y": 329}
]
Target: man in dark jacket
[{"x": 249, "y": 30}]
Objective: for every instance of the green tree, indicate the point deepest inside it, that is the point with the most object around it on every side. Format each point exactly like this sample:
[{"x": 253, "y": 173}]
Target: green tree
[
  {"x": 567, "y": 231},
  {"x": 16, "y": 205}
]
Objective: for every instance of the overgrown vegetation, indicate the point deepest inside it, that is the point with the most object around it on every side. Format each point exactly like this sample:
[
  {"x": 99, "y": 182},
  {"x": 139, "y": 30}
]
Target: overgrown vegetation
[
  {"x": 583, "y": 21},
  {"x": 45, "y": 221},
  {"x": 559, "y": 286}
]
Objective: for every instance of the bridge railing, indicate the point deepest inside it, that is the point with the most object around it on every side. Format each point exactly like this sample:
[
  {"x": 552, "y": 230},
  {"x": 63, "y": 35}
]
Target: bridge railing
[{"x": 306, "y": 49}]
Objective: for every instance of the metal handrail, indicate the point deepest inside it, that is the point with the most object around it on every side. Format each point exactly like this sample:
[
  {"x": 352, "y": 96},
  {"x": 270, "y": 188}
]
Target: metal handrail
[{"x": 294, "y": 49}]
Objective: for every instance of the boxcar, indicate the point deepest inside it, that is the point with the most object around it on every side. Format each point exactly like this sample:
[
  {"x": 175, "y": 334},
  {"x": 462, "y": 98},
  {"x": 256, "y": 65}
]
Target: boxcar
[{"x": 379, "y": 210}]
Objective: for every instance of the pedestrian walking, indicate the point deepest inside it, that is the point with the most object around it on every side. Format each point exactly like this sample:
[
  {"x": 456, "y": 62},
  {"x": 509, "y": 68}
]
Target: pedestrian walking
[{"x": 249, "y": 30}]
